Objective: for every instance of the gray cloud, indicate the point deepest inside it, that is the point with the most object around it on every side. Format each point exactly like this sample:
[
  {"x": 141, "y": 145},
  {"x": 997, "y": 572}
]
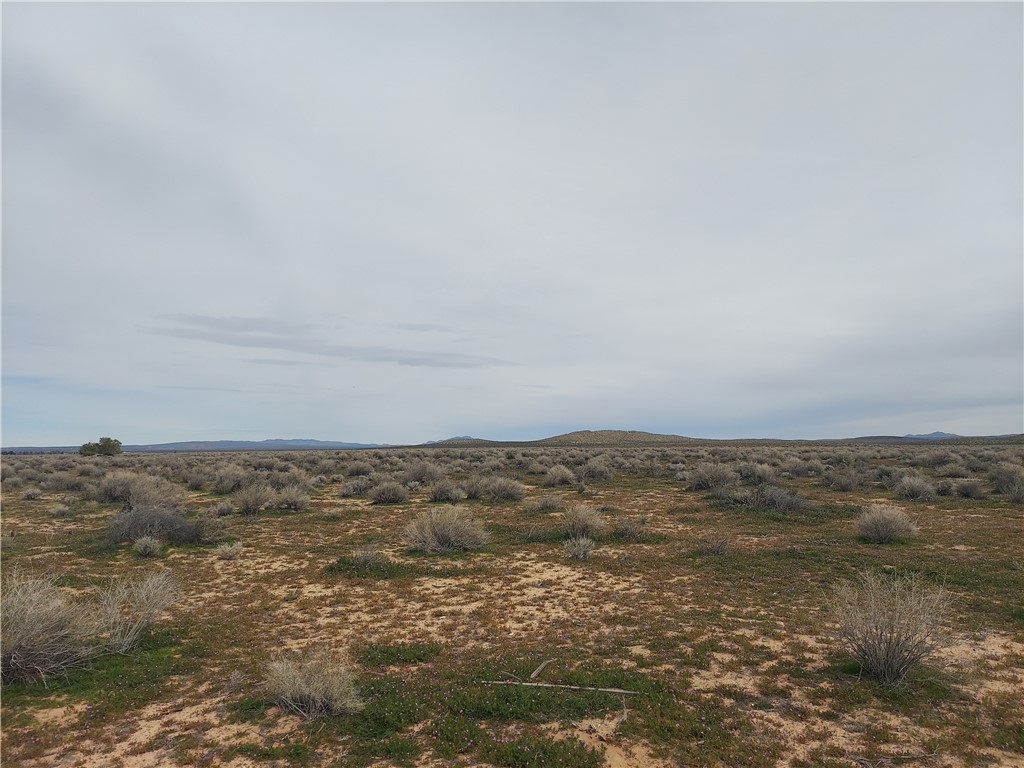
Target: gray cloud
[
  {"x": 286, "y": 363},
  {"x": 375, "y": 222},
  {"x": 200, "y": 389},
  {"x": 244, "y": 332},
  {"x": 424, "y": 327},
  {"x": 237, "y": 324}
]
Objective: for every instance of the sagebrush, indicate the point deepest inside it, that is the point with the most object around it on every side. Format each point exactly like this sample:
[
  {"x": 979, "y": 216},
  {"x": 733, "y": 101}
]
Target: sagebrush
[
  {"x": 883, "y": 524},
  {"x": 42, "y": 633},
  {"x": 444, "y": 529},
  {"x": 313, "y": 685},
  {"x": 890, "y": 623}
]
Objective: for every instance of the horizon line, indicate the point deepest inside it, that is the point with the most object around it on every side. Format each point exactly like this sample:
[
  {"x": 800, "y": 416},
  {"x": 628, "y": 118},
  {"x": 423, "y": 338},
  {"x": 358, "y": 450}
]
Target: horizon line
[{"x": 937, "y": 435}]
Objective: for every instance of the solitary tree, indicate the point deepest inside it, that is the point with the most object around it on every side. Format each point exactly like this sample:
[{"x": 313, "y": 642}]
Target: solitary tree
[{"x": 107, "y": 446}]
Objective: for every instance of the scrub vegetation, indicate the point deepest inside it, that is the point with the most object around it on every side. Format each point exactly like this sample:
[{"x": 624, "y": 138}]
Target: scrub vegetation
[{"x": 608, "y": 602}]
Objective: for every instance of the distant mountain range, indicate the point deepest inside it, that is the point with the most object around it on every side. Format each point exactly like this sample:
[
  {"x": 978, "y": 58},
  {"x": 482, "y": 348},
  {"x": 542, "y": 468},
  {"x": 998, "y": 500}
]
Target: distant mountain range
[
  {"x": 581, "y": 437},
  {"x": 301, "y": 444},
  {"x": 585, "y": 437},
  {"x": 450, "y": 440},
  {"x": 613, "y": 437},
  {"x": 910, "y": 438}
]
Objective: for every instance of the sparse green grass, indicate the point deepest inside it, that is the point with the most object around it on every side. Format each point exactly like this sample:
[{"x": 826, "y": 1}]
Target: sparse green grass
[
  {"x": 114, "y": 684},
  {"x": 535, "y": 751},
  {"x": 346, "y": 565},
  {"x": 454, "y": 735},
  {"x": 384, "y": 654},
  {"x": 289, "y": 751}
]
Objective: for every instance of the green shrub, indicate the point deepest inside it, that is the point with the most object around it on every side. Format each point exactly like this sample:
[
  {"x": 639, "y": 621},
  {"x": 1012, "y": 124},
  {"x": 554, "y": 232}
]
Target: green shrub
[{"x": 107, "y": 446}]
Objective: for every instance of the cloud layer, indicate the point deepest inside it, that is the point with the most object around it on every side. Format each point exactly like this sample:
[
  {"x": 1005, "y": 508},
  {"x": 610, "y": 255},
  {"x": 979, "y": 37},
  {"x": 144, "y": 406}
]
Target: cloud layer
[{"x": 399, "y": 222}]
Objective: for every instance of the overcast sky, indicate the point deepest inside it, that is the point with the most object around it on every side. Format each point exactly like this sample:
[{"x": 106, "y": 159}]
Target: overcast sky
[{"x": 402, "y": 222}]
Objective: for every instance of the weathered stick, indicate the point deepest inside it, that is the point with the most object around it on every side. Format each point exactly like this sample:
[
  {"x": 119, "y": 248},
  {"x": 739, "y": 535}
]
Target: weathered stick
[
  {"x": 540, "y": 669},
  {"x": 566, "y": 687}
]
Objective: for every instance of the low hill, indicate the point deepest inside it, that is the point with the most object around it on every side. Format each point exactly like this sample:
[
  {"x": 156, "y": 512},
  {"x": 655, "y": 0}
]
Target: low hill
[
  {"x": 586, "y": 437},
  {"x": 464, "y": 441}
]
